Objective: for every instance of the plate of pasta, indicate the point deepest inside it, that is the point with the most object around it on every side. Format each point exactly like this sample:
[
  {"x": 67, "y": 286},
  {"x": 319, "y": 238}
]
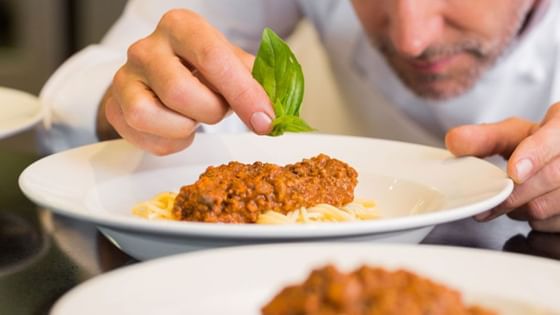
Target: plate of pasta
[
  {"x": 239, "y": 189},
  {"x": 320, "y": 278}
]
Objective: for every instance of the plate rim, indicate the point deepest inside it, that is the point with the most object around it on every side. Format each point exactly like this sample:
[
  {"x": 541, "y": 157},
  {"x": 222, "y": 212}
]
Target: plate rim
[
  {"x": 252, "y": 231},
  {"x": 32, "y": 121},
  {"x": 185, "y": 258}
]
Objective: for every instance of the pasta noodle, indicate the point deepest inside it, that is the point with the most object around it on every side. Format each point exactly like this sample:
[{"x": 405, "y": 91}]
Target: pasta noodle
[
  {"x": 161, "y": 207},
  {"x": 357, "y": 210}
]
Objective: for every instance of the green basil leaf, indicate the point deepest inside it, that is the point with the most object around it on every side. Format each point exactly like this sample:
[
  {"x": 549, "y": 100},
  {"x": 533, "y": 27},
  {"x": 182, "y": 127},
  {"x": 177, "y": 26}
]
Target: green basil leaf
[
  {"x": 278, "y": 109},
  {"x": 289, "y": 124},
  {"x": 278, "y": 71}
]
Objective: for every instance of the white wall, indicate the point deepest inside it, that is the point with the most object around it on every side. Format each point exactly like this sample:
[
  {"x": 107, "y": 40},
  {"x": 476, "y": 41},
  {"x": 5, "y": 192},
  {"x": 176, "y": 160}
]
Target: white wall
[{"x": 323, "y": 107}]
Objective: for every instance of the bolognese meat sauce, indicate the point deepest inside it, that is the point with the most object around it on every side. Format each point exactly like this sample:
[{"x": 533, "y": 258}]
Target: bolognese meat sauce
[
  {"x": 238, "y": 193},
  {"x": 369, "y": 291}
]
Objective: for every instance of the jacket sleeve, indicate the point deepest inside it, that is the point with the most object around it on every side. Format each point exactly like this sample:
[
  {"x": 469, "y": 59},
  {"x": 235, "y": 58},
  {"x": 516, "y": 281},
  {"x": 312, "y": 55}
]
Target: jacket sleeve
[{"x": 73, "y": 93}]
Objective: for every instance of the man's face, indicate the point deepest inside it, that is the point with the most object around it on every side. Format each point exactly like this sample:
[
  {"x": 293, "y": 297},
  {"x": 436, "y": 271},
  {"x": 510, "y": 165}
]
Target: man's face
[{"x": 440, "y": 48}]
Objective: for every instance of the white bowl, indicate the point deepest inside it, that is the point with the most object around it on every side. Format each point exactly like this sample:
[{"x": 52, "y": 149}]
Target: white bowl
[
  {"x": 18, "y": 111},
  {"x": 415, "y": 187},
  {"x": 239, "y": 281}
]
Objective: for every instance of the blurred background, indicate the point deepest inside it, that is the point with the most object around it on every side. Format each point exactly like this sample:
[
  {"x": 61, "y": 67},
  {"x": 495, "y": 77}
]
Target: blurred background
[{"x": 36, "y": 36}]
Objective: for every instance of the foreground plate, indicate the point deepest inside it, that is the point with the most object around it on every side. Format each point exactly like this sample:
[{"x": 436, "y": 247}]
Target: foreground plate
[
  {"x": 18, "y": 111},
  {"x": 415, "y": 187},
  {"x": 241, "y": 280}
]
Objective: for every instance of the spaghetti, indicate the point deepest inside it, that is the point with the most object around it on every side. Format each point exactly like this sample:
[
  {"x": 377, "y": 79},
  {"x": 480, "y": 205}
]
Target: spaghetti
[
  {"x": 357, "y": 210},
  {"x": 161, "y": 207}
]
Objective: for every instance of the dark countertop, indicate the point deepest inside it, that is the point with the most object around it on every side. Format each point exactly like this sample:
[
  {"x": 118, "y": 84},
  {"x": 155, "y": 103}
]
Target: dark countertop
[{"x": 42, "y": 255}]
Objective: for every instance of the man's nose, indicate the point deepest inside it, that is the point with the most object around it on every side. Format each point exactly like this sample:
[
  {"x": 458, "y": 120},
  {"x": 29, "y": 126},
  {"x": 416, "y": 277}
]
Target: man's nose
[{"x": 414, "y": 25}]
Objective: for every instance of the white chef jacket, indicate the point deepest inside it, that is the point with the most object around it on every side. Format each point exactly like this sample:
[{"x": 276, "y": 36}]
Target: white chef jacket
[{"x": 524, "y": 83}]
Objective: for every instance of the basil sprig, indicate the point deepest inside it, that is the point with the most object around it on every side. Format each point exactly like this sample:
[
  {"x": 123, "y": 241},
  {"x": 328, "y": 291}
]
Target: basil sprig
[{"x": 278, "y": 71}]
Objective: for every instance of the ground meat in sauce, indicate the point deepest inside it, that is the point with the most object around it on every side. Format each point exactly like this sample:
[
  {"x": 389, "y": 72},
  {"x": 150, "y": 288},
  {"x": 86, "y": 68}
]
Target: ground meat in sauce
[
  {"x": 238, "y": 193},
  {"x": 368, "y": 291}
]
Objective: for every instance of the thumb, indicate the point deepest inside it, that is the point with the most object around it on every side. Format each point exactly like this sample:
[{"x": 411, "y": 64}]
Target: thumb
[{"x": 488, "y": 139}]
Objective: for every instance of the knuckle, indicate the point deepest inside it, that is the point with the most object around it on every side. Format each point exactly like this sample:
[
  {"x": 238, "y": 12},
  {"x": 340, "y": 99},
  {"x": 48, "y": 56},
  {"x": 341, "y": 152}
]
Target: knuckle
[
  {"x": 538, "y": 209},
  {"x": 120, "y": 78},
  {"x": 175, "y": 17},
  {"x": 136, "y": 114},
  {"x": 161, "y": 150},
  {"x": 138, "y": 52},
  {"x": 245, "y": 92},
  {"x": 211, "y": 60},
  {"x": 512, "y": 201},
  {"x": 174, "y": 95}
]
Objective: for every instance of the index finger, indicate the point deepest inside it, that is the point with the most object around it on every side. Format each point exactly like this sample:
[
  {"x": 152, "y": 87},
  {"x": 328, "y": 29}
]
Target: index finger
[{"x": 222, "y": 66}]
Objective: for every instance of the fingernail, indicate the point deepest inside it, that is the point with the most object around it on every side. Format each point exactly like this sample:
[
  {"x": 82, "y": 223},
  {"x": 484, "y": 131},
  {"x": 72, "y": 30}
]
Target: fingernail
[
  {"x": 261, "y": 122},
  {"x": 523, "y": 169}
]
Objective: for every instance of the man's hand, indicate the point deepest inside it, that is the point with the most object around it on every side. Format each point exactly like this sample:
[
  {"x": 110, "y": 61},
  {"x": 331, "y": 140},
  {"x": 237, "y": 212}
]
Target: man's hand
[
  {"x": 183, "y": 74},
  {"x": 533, "y": 153}
]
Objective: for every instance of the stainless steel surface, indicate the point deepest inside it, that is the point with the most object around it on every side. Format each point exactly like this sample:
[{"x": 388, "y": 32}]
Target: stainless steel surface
[{"x": 42, "y": 256}]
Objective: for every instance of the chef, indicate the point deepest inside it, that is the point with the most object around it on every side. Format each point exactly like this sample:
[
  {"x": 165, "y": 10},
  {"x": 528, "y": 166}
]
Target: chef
[{"x": 481, "y": 76}]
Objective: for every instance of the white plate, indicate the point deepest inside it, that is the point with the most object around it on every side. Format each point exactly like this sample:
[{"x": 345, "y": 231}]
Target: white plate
[
  {"x": 238, "y": 281},
  {"x": 415, "y": 187},
  {"x": 18, "y": 111}
]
